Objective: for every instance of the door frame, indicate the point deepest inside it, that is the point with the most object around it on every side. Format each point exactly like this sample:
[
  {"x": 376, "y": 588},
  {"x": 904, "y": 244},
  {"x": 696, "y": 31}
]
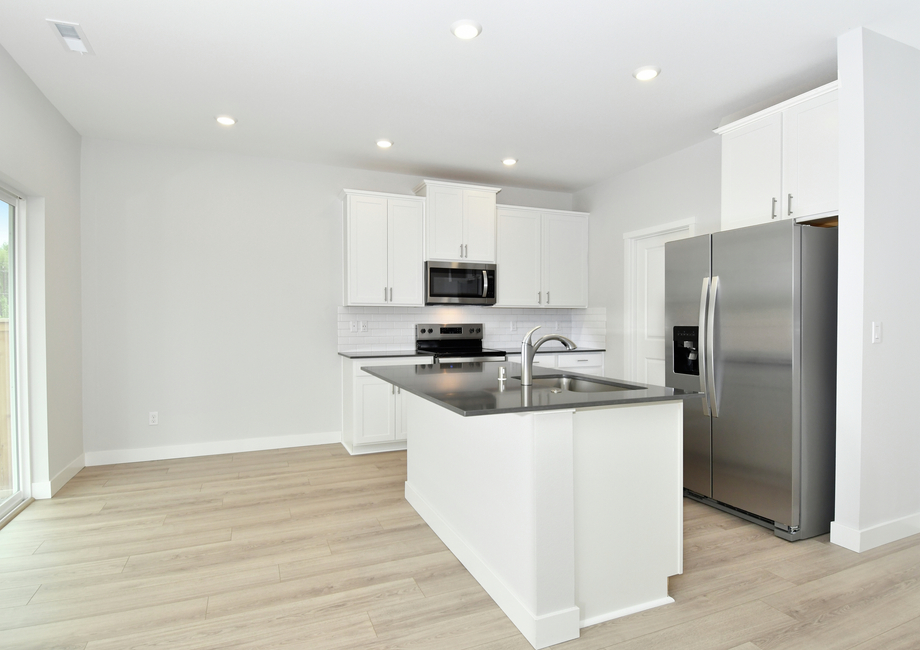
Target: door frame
[
  {"x": 631, "y": 291},
  {"x": 19, "y": 399}
]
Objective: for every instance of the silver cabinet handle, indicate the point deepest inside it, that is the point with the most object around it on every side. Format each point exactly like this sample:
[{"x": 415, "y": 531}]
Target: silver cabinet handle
[
  {"x": 773, "y": 209},
  {"x": 539, "y": 297},
  {"x": 547, "y": 297},
  {"x": 710, "y": 347},
  {"x": 392, "y": 389},
  {"x": 701, "y": 342},
  {"x": 391, "y": 294},
  {"x": 485, "y": 283},
  {"x": 790, "y": 205},
  {"x": 461, "y": 250},
  {"x": 466, "y": 251},
  {"x": 384, "y": 294}
]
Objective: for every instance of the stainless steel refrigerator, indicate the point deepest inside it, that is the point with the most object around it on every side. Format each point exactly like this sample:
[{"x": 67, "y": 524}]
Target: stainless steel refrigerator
[{"x": 751, "y": 318}]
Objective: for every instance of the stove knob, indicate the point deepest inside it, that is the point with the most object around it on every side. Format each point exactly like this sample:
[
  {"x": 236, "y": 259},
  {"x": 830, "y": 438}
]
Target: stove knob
[
  {"x": 478, "y": 330},
  {"x": 471, "y": 330},
  {"x": 430, "y": 330},
  {"x": 423, "y": 330}
]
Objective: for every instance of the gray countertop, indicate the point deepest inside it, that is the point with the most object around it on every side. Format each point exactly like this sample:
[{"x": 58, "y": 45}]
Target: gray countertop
[{"x": 473, "y": 389}]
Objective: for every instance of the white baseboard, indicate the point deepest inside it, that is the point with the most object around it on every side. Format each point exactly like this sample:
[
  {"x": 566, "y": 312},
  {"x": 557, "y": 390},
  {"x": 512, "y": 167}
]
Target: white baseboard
[
  {"x": 869, "y": 538},
  {"x": 540, "y": 631},
  {"x": 626, "y": 611},
  {"x": 47, "y": 489},
  {"x": 114, "y": 456}
]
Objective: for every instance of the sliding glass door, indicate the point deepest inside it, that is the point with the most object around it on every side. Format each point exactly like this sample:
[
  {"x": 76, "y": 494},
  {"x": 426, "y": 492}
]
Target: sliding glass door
[{"x": 11, "y": 488}]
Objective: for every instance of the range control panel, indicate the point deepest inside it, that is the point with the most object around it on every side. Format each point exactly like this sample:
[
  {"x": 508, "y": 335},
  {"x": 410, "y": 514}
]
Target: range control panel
[{"x": 447, "y": 332}]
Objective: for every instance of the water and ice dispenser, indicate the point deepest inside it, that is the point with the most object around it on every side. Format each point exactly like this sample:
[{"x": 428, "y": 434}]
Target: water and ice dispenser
[{"x": 686, "y": 350}]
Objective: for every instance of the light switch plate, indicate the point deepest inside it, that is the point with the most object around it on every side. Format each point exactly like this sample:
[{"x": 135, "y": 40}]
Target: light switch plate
[{"x": 876, "y": 331}]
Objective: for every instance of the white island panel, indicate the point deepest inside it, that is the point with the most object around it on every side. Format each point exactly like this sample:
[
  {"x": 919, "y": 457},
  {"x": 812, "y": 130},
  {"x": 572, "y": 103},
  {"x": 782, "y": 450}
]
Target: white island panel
[
  {"x": 628, "y": 505},
  {"x": 566, "y": 518}
]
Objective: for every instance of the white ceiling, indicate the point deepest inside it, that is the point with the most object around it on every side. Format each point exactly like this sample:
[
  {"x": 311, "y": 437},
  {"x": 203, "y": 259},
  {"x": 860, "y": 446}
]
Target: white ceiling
[{"x": 547, "y": 82}]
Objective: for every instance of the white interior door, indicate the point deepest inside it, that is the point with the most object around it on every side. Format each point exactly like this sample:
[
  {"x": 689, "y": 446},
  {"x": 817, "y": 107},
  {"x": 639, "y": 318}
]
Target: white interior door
[{"x": 645, "y": 329}]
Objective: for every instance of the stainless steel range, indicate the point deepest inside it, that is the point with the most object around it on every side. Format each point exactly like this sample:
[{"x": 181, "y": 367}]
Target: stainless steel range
[{"x": 454, "y": 343}]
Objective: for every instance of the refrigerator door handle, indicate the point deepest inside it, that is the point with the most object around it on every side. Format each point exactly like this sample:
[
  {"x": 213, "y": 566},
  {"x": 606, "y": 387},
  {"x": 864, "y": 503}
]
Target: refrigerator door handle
[
  {"x": 704, "y": 367},
  {"x": 710, "y": 347}
]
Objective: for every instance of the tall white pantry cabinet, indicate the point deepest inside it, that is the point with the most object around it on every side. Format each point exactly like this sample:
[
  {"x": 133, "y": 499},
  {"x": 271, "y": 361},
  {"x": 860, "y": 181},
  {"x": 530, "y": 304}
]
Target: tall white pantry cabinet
[
  {"x": 384, "y": 247},
  {"x": 782, "y": 162}
]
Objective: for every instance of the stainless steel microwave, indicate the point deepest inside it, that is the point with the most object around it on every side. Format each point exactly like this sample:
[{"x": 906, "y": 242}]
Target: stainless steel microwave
[{"x": 459, "y": 283}]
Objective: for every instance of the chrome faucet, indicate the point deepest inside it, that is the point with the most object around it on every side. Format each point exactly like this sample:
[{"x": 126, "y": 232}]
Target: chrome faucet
[{"x": 529, "y": 349}]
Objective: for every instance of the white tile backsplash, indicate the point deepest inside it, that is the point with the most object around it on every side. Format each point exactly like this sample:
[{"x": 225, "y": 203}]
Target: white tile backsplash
[{"x": 393, "y": 328}]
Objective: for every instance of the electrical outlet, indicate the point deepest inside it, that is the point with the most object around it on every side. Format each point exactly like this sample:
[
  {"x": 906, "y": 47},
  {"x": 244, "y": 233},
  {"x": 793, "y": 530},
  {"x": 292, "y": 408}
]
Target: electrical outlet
[
  {"x": 154, "y": 418},
  {"x": 363, "y": 325},
  {"x": 354, "y": 326},
  {"x": 513, "y": 326}
]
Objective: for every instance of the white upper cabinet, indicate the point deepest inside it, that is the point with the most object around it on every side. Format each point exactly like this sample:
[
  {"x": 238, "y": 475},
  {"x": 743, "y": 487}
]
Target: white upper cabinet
[
  {"x": 519, "y": 276},
  {"x": 752, "y": 164},
  {"x": 542, "y": 258},
  {"x": 460, "y": 221},
  {"x": 384, "y": 249},
  {"x": 781, "y": 163},
  {"x": 811, "y": 157}
]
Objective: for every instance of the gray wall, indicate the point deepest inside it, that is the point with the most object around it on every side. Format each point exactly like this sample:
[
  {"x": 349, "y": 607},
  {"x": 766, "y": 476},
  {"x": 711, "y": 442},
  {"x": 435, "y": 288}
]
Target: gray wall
[
  {"x": 40, "y": 157},
  {"x": 878, "y": 446},
  {"x": 210, "y": 291},
  {"x": 684, "y": 185}
]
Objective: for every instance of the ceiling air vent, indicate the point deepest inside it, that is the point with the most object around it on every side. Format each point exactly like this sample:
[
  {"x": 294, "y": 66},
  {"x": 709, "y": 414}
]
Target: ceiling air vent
[{"x": 71, "y": 37}]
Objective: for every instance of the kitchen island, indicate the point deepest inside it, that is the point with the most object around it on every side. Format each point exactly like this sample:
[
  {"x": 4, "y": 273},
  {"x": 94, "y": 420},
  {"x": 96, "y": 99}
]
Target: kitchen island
[{"x": 565, "y": 505}]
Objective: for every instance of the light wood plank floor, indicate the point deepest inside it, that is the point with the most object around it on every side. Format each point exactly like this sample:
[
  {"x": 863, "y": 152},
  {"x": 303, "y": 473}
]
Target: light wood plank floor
[{"x": 312, "y": 548}]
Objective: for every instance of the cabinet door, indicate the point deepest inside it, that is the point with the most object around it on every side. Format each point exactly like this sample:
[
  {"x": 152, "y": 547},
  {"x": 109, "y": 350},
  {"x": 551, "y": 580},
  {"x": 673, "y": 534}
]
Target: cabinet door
[
  {"x": 589, "y": 363},
  {"x": 519, "y": 259},
  {"x": 367, "y": 250},
  {"x": 810, "y": 157},
  {"x": 399, "y": 415},
  {"x": 406, "y": 272},
  {"x": 565, "y": 260},
  {"x": 445, "y": 222},
  {"x": 752, "y": 163},
  {"x": 374, "y": 419},
  {"x": 479, "y": 226}
]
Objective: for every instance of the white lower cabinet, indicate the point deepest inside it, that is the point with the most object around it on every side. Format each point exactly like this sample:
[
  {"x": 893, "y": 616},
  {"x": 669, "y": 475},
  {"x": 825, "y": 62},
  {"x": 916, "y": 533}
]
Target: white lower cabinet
[
  {"x": 587, "y": 363},
  {"x": 373, "y": 417}
]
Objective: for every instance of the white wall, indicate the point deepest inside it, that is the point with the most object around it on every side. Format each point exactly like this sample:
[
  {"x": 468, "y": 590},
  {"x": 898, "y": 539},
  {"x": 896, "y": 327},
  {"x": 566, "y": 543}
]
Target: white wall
[
  {"x": 878, "y": 446},
  {"x": 211, "y": 287},
  {"x": 684, "y": 185},
  {"x": 40, "y": 156}
]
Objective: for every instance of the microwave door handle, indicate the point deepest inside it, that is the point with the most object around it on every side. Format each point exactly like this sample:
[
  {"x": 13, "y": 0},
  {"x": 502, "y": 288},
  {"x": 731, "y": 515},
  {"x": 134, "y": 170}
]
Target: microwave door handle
[{"x": 485, "y": 283}]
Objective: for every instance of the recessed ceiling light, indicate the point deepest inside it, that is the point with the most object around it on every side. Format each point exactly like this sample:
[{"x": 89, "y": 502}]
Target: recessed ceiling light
[
  {"x": 384, "y": 144},
  {"x": 226, "y": 120},
  {"x": 509, "y": 161},
  {"x": 466, "y": 29},
  {"x": 645, "y": 73}
]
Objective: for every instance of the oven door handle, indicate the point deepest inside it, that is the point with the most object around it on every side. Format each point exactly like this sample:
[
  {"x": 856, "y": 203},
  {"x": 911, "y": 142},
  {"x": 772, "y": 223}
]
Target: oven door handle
[{"x": 468, "y": 359}]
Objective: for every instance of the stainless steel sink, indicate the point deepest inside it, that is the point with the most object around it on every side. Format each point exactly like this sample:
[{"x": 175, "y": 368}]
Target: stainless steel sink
[{"x": 580, "y": 384}]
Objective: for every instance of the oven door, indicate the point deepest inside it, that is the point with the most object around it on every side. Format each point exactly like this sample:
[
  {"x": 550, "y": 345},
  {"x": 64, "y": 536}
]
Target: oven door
[{"x": 459, "y": 283}]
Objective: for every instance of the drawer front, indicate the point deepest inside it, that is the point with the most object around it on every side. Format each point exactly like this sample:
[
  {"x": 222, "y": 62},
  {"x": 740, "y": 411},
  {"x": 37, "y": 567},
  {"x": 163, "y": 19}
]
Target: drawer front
[{"x": 575, "y": 361}]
